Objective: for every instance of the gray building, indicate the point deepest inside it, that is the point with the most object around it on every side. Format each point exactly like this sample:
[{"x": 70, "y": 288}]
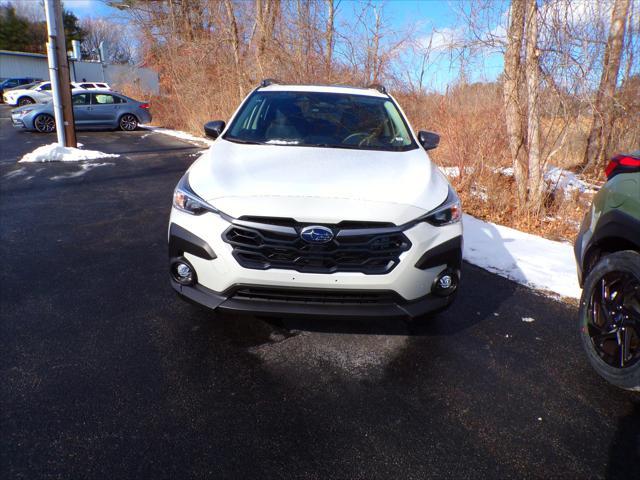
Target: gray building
[{"x": 21, "y": 64}]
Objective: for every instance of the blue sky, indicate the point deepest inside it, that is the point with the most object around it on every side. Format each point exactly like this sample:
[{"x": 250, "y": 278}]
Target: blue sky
[{"x": 89, "y": 8}]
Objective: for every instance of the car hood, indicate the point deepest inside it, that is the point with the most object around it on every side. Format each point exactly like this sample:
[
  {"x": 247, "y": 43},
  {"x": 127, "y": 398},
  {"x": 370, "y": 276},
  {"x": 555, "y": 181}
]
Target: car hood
[
  {"x": 313, "y": 184},
  {"x": 15, "y": 91}
]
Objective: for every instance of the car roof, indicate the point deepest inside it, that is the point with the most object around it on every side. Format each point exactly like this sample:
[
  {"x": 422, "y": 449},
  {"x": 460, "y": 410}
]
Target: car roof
[
  {"x": 24, "y": 86},
  {"x": 106, "y": 91},
  {"x": 344, "y": 89}
]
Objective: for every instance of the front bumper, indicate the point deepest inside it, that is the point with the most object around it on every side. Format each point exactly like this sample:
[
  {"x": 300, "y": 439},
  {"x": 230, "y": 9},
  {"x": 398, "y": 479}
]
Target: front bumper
[
  {"x": 311, "y": 303},
  {"x": 222, "y": 283},
  {"x": 17, "y": 122}
]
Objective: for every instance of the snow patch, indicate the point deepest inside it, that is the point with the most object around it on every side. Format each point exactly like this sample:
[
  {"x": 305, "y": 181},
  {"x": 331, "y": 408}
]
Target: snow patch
[
  {"x": 55, "y": 153},
  {"x": 524, "y": 258},
  {"x": 568, "y": 182},
  {"x": 451, "y": 172},
  {"x": 197, "y": 141},
  {"x": 556, "y": 178}
]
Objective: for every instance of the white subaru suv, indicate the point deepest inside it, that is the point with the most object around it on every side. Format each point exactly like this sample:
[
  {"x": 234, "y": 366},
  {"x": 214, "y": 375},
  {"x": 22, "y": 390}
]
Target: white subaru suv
[{"x": 316, "y": 200}]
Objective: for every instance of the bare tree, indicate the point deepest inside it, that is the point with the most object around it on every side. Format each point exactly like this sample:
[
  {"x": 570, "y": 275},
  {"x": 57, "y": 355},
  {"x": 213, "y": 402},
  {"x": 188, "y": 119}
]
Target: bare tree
[
  {"x": 329, "y": 36},
  {"x": 119, "y": 47},
  {"x": 235, "y": 43},
  {"x": 536, "y": 182},
  {"x": 513, "y": 109},
  {"x": 267, "y": 14},
  {"x": 603, "y": 108}
]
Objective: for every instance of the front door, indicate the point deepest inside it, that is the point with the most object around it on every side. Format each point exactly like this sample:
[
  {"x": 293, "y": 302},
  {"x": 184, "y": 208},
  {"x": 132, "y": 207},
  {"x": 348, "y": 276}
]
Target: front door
[
  {"x": 81, "y": 108},
  {"x": 104, "y": 109}
]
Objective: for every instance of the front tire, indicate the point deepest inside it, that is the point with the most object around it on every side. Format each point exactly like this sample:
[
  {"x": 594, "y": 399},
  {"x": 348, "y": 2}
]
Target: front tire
[
  {"x": 25, "y": 101},
  {"x": 44, "y": 123},
  {"x": 610, "y": 319},
  {"x": 128, "y": 122}
]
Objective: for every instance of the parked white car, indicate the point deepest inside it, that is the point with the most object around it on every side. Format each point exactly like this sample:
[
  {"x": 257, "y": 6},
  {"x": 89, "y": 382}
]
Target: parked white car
[
  {"x": 41, "y": 92},
  {"x": 316, "y": 200}
]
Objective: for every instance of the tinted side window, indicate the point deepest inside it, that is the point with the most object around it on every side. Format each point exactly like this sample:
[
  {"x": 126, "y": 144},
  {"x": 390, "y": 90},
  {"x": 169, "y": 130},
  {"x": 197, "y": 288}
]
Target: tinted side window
[
  {"x": 101, "y": 85},
  {"x": 101, "y": 99},
  {"x": 81, "y": 99},
  {"x": 86, "y": 85},
  {"x": 46, "y": 86}
]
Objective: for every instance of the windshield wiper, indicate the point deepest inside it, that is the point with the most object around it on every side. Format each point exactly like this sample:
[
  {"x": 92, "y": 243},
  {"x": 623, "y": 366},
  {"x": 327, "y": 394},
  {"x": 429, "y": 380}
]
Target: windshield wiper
[
  {"x": 334, "y": 145},
  {"x": 240, "y": 140}
]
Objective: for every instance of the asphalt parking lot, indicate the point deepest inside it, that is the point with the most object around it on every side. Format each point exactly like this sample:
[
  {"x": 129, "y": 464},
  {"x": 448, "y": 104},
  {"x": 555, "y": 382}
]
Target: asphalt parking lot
[{"x": 104, "y": 373}]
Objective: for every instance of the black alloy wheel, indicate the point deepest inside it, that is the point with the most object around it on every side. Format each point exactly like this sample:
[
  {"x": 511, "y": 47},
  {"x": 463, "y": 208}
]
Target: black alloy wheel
[
  {"x": 613, "y": 321},
  {"x": 44, "y": 123},
  {"x": 610, "y": 318},
  {"x": 25, "y": 101},
  {"x": 128, "y": 122}
]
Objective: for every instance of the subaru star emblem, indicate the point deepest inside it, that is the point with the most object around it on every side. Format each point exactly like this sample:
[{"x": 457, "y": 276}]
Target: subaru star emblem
[{"x": 316, "y": 234}]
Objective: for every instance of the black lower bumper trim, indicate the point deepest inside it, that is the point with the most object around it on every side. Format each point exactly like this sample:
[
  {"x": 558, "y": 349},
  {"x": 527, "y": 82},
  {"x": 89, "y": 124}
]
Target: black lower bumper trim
[
  {"x": 448, "y": 253},
  {"x": 182, "y": 240},
  {"x": 228, "y": 302}
]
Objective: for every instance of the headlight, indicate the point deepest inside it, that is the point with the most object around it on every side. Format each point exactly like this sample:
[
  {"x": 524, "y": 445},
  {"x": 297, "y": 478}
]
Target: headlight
[
  {"x": 24, "y": 111},
  {"x": 188, "y": 201},
  {"x": 449, "y": 212}
]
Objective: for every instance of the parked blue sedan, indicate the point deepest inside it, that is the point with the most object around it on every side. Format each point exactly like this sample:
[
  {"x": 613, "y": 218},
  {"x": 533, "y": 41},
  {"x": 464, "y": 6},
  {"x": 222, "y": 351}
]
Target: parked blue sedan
[{"x": 91, "y": 109}]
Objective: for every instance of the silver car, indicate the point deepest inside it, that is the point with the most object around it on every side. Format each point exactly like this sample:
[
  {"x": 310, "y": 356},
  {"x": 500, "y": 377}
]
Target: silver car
[{"x": 91, "y": 109}]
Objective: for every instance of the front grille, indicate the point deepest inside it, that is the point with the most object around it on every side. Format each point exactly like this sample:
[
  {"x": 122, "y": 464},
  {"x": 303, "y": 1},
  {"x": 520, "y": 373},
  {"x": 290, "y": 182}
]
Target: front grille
[
  {"x": 324, "y": 297},
  {"x": 372, "y": 251}
]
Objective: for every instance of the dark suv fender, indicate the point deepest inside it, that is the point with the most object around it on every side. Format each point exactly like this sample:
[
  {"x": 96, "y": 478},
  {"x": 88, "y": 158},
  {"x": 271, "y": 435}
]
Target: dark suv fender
[{"x": 615, "y": 231}]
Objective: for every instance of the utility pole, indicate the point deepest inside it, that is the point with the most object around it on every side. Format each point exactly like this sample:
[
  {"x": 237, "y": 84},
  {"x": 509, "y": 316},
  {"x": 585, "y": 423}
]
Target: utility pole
[{"x": 59, "y": 74}]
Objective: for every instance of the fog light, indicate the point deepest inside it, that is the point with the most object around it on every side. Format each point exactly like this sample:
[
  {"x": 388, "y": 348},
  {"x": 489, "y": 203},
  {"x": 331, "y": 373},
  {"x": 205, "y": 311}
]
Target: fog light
[
  {"x": 446, "y": 283},
  {"x": 183, "y": 270},
  {"x": 183, "y": 273}
]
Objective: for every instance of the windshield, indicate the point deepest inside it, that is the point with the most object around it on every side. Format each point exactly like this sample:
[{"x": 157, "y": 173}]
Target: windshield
[
  {"x": 20, "y": 87},
  {"x": 316, "y": 119}
]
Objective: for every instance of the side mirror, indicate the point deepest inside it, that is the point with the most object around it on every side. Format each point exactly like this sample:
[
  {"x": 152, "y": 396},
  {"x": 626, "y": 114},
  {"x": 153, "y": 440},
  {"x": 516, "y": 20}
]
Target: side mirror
[
  {"x": 428, "y": 140},
  {"x": 213, "y": 129}
]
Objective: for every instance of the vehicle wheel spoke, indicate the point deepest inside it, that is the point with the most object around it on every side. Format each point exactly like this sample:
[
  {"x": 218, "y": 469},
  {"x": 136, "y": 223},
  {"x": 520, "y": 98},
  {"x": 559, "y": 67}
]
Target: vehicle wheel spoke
[
  {"x": 632, "y": 318},
  {"x": 624, "y": 342},
  {"x": 613, "y": 319}
]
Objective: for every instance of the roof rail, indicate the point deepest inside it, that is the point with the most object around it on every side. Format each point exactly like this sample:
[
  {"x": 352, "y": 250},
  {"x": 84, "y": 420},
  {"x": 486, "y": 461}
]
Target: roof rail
[
  {"x": 269, "y": 81},
  {"x": 378, "y": 87}
]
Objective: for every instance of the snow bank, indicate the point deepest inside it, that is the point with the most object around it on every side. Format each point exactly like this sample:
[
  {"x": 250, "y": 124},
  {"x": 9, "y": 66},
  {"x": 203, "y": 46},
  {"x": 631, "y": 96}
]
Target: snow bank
[
  {"x": 198, "y": 141},
  {"x": 55, "y": 153},
  {"x": 524, "y": 258},
  {"x": 451, "y": 172},
  {"x": 567, "y": 181}
]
